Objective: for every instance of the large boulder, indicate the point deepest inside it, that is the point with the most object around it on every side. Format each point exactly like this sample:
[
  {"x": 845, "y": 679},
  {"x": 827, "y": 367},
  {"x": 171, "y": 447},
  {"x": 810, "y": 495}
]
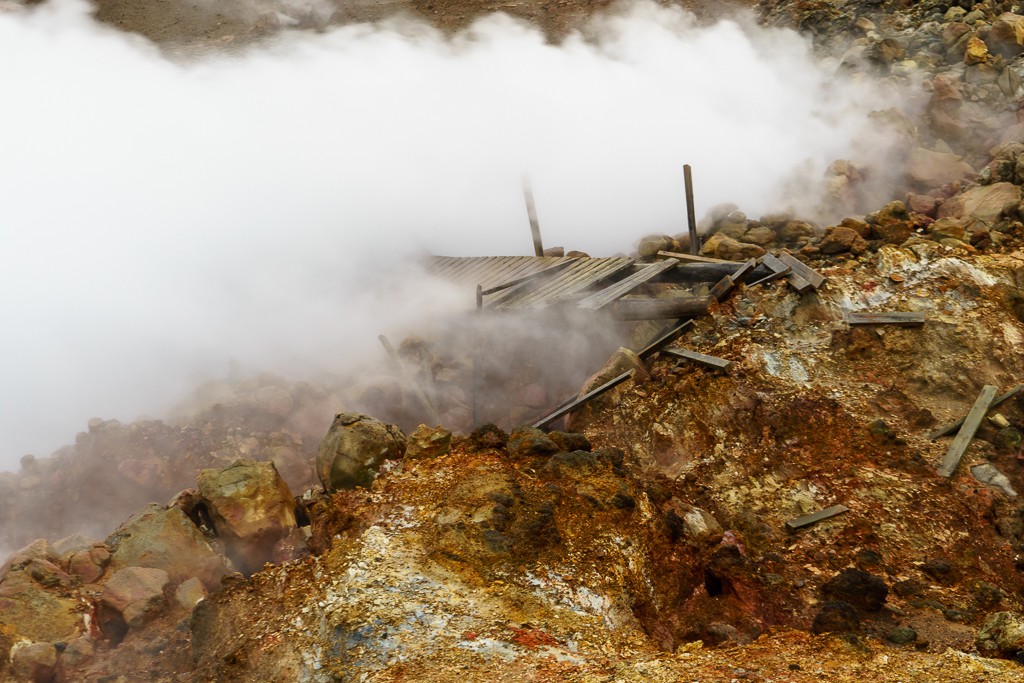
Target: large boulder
[
  {"x": 164, "y": 538},
  {"x": 984, "y": 203},
  {"x": 136, "y": 593},
  {"x": 30, "y": 604},
  {"x": 34, "y": 662},
  {"x": 891, "y": 223},
  {"x": 251, "y": 508},
  {"x": 354, "y": 449},
  {"x": 724, "y": 247},
  {"x": 1006, "y": 37},
  {"x": 927, "y": 169}
]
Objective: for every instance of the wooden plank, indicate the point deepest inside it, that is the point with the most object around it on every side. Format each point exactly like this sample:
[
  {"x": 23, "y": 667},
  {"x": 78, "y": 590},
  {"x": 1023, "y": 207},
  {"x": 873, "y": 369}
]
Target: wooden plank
[
  {"x": 742, "y": 271},
  {"x": 690, "y": 273},
  {"x": 665, "y": 337},
  {"x": 699, "y": 358},
  {"x": 966, "y": 433},
  {"x": 953, "y": 426},
  {"x": 775, "y": 264},
  {"x": 573, "y": 405},
  {"x": 815, "y": 517},
  {"x": 900, "y": 318},
  {"x": 531, "y": 214},
  {"x": 617, "y": 290},
  {"x": 658, "y": 309},
  {"x": 802, "y": 270},
  {"x": 692, "y": 257}
]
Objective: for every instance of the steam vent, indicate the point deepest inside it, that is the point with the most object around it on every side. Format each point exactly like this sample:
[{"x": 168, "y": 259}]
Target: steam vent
[{"x": 758, "y": 417}]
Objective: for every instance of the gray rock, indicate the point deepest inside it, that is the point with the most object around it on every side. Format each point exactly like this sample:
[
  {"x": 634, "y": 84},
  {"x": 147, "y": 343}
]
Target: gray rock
[
  {"x": 35, "y": 662},
  {"x": 354, "y": 449},
  {"x": 987, "y": 473}
]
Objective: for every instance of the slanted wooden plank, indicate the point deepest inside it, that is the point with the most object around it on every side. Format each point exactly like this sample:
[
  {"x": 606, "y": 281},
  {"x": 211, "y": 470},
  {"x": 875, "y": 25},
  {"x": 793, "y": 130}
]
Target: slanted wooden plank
[
  {"x": 692, "y": 258},
  {"x": 567, "y": 408},
  {"x": 901, "y": 318},
  {"x": 774, "y": 276},
  {"x": 609, "y": 294},
  {"x": 699, "y": 358},
  {"x": 815, "y": 517},
  {"x": 966, "y": 433},
  {"x": 665, "y": 337},
  {"x": 655, "y": 309},
  {"x": 802, "y": 270},
  {"x": 742, "y": 271},
  {"x": 953, "y": 426}
]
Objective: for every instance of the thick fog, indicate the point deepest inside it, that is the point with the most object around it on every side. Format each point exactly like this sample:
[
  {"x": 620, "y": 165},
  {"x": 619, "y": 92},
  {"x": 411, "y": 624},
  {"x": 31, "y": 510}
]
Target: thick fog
[{"x": 162, "y": 221}]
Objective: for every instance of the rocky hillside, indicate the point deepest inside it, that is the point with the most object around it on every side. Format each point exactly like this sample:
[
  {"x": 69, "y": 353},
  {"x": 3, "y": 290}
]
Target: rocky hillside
[{"x": 661, "y": 536}]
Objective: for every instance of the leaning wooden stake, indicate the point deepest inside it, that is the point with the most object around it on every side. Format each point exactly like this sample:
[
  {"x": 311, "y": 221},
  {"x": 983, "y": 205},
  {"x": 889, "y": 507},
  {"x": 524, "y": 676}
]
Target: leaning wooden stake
[
  {"x": 691, "y": 218},
  {"x": 476, "y": 356},
  {"x": 966, "y": 433},
  {"x": 428, "y": 405},
  {"x": 531, "y": 211},
  {"x": 953, "y": 426}
]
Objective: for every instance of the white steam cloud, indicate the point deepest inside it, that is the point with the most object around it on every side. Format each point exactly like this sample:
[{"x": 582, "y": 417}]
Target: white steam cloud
[{"x": 159, "y": 220}]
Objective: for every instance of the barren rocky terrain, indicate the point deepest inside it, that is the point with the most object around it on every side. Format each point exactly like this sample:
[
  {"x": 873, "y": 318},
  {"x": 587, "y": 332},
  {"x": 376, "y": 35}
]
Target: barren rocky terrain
[{"x": 271, "y": 530}]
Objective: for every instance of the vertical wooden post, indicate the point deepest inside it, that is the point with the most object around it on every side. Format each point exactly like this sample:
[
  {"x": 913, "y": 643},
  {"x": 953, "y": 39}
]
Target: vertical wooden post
[
  {"x": 531, "y": 211},
  {"x": 691, "y": 218},
  {"x": 476, "y": 355}
]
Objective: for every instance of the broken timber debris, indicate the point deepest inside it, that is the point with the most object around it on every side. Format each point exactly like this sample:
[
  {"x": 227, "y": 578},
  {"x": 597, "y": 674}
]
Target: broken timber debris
[
  {"x": 699, "y": 358},
  {"x": 699, "y": 271},
  {"x": 567, "y": 408},
  {"x": 900, "y": 318},
  {"x": 815, "y": 517},
  {"x": 966, "y": 433},
  {"x": 802, "y": 270},
  {"x": 953, "y": 426},
  {"x": 692, "y": 257},
  {"x": 676, "y": 307},
  {"x": 725, "y": 285}
]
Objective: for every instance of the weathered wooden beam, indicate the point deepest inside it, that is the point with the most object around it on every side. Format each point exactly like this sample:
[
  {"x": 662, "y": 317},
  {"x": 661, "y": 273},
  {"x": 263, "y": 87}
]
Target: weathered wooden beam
[
  {"x": 692, "y": 273},
  {"x": 722, "y": 288},
  {"x": 665, "y": 337},
  {"x": 966, "y": 433},
  {"x": 635, "y": 308},
  {"x": 699, "y": 358},
  {"x": 531, "y": 212},
  {"x": 953, "y": 426},
  {"x": 815, "y": 517},
  {"x": 900, "y": 318},
  {"x": 692, "y": 257},
  {"x": 691, "y": 215},
  {"x": 617, "y": 290},
  {"x": 778, "y": 268},
  {"x": 567, "y": 408},
  {"x": 802, "y": 270}
]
